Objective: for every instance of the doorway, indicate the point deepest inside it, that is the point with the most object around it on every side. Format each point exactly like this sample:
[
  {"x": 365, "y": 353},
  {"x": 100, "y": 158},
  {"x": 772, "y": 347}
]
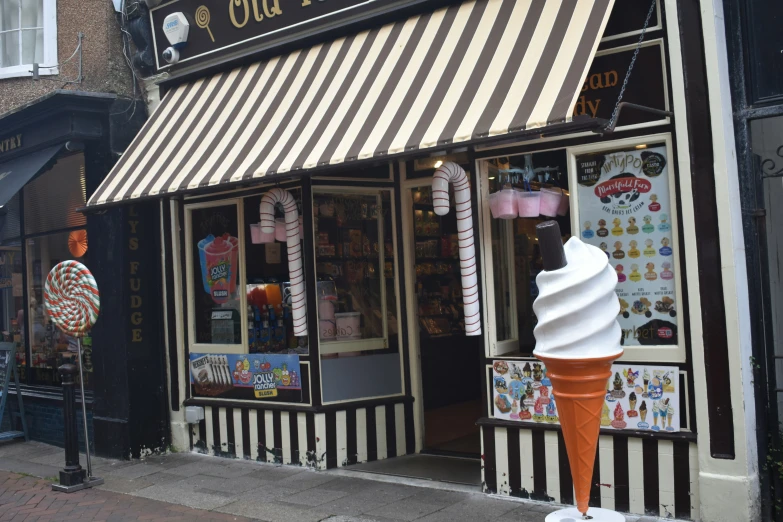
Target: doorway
[{"x": 450, "y": 361}]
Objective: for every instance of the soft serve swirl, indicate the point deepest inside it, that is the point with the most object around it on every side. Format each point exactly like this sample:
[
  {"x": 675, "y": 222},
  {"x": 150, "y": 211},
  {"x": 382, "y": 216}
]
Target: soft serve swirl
[{"x": 577, "y": 306}]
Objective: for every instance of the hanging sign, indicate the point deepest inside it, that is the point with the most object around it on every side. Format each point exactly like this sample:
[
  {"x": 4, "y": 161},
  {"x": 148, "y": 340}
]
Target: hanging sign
[
  {"x": 647, "y": 85},
  {"x": 216, "y": 27}
]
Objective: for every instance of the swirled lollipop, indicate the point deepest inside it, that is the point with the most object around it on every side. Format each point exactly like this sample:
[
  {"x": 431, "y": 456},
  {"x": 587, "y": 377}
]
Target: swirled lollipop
[
  {"x": 202, "y": 20},
  {"x": 72, "y": 298}
]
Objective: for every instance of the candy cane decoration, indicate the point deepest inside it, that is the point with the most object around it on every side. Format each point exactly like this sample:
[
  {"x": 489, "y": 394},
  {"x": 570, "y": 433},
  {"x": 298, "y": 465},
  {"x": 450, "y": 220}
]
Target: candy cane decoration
[
  {"x": 295, "y": 266},
  {"x": 452, "y": 173},
  {"x": 71, "y": 297}
]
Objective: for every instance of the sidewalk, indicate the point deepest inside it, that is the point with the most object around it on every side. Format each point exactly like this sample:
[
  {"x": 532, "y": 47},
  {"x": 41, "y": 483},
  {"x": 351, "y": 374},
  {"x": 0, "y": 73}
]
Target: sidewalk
[{"x": 186, "y": 486}]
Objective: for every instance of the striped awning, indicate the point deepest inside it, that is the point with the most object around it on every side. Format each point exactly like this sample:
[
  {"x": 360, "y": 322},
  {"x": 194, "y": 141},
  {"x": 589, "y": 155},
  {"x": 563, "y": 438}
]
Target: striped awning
[{"x": 462, "y": 73}]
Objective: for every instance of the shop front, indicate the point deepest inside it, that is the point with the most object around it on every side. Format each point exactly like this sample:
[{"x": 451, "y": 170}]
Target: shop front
[
  {"x": 348, "y": 246},
  {"x": 53, "y": 155}
]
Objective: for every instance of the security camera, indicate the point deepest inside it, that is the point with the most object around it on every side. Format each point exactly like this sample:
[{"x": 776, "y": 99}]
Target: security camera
[{"x": 171, "y": 55}]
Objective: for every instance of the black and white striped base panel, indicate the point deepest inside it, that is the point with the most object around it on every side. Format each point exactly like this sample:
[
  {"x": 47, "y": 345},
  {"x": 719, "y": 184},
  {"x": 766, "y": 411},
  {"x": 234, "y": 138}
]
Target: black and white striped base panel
[
  {"x": 320, "y": 440},
  {"x": 643, "y": 476}
]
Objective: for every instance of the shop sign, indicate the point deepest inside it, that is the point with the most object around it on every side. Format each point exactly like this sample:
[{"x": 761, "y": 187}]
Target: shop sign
[
  {"x": 9, "y": 143},
  {"x": 625, "y": 210},
  {"x": 219, "y": 26},
  {"x": 605, "y": 79},
  {"x": 246, "y": 376},
  {"x": 638, "y": 397}
]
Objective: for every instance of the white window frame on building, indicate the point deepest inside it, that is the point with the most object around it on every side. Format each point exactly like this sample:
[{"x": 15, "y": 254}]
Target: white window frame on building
[{"x": 48, "y": 65}]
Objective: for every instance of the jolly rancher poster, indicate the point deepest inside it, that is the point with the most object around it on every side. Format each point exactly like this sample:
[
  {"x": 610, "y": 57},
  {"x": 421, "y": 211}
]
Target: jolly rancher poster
[
  {"x": 625, "y": 210},
  {"x": 255, "y": 376}
]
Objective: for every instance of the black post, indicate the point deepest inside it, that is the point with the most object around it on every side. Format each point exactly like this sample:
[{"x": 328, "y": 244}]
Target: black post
[{"x": 72, "y": 474}]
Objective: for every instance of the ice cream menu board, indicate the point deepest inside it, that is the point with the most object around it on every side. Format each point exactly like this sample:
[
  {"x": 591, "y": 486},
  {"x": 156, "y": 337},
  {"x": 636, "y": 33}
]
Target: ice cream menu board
[
  {"x": 625, "y": 209},
  {"x": 637, "y": 397},
  {"x": 272, "y": 377},
  {"x": 216, "y": 275}
]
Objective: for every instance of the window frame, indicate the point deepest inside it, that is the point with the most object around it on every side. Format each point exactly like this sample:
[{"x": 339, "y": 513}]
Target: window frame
[
  {"x": 242, "y": 347},
  {"x": 49, "y": 66},
  {"x": 369, "y": 344},
  {"x": 666, "y": 353},
  {"x": 663, "y": 354}
]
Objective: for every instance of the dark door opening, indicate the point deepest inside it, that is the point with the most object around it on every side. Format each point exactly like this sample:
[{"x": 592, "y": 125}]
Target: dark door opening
[{"x": 450, "y": 361}]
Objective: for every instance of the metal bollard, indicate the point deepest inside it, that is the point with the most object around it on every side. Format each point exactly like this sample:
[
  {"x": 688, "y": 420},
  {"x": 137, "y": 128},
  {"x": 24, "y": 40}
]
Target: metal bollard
[{"x": 72, "y": 474}]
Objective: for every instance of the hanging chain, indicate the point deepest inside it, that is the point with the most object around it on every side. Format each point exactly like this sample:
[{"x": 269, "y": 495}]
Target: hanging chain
[{"x": 630, "y": 67}]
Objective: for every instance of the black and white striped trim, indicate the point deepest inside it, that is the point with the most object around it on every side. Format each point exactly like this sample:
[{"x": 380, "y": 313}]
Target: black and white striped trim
[
  {"x": 632, "y": 475},
  {"x": 321, "y": 440}
]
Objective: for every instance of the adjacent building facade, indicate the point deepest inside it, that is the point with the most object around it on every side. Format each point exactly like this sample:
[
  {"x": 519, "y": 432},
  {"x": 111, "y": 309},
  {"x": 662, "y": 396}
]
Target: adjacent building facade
[{"x": 69, "y": 105}]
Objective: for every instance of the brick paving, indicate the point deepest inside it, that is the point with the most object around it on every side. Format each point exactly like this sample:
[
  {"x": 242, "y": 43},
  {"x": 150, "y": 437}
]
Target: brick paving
[{"x": 31, "y": 499}]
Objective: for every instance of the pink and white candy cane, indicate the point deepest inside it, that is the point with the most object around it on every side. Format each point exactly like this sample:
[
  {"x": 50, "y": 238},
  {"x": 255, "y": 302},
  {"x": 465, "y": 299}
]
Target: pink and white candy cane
[
  {"x": 295, "y": 265},
  {"x": 452, "y": 173}
]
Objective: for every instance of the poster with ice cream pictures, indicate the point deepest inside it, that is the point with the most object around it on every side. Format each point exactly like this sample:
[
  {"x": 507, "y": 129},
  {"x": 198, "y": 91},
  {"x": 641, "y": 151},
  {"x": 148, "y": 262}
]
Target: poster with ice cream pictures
[
  {"x": 638, "y": 397},
  {"x": 625, "y": 209}
]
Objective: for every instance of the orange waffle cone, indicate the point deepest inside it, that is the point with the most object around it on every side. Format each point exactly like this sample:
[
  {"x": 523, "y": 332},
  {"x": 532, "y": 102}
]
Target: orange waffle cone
[{"x": 579, "y": 387}]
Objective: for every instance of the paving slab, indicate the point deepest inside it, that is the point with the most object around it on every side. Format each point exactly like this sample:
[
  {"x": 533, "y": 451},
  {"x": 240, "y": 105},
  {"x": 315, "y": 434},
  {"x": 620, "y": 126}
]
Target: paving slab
[
  {"x": 190, "y": 496},
  {"x": 271, "y": 511}
]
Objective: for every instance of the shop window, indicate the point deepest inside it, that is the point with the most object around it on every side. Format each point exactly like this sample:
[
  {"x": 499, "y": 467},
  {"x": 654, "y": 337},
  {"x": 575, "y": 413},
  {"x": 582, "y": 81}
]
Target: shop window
[
  {"x": 12, "y": 308},
  {"x": 622, "y": 200},
  {"x": 10, "y": 228},
  {"x": 28, "y": 35},
  {"x": 516, "y": 260},
  {"x": 242, "y": 342},
  {"x": 215, "y": 276},
  {"x": 49, "y": 346},
  {"x": 269, "y": 293},
  {"x": 357, "y": 296},
  {"x": 43, "y": 212}
]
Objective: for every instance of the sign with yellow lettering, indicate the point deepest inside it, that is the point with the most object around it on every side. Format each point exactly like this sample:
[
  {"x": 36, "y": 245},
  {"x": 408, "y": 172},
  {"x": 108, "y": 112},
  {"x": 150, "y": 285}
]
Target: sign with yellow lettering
[
  {"x": 10, "y": 143},
  {"x": 221, "y": 26},
  {"x": 647, "y": 85}
]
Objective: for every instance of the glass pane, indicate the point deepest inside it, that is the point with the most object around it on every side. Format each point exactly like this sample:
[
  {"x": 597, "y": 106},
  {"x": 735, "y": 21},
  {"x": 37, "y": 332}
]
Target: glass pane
[
  {"x": 51, "y": 199},
  {"x": 348, "y": 265},
  {"x": 515, "y": 255},
  {"x": 356, "y": 282},
  {"x": 32, "y": 46},
  {"x": 32, "y": 13},
  {"x": 767, "y": 147},
  {"x": 9, "y": 49},
  {"x": 215, "y": 260},
  {"x": 50, "y": 348},
  {"x": 11, "y": 304},
  {"x": 269, "y": 300},
  {"x": 10, "y": 229},
  {"x": 9, "y": 15},
  {"x": 625, "y": 209}
]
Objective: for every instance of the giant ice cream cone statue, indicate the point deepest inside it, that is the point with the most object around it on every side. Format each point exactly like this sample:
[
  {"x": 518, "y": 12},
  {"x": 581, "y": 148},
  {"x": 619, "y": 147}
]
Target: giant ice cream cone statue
[{"x": 578, "y": 339}]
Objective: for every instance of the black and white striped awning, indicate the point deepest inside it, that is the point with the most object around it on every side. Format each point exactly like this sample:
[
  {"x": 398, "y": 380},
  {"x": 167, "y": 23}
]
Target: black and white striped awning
[{"x": 477, "y": 69}]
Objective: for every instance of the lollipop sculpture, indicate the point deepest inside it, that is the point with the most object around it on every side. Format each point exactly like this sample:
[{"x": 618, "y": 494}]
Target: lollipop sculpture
[{"x": 72, "y": 301}]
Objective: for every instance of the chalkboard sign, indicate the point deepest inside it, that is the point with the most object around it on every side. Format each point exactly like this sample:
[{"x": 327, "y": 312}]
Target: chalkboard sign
[{"x": 7, "y": 369}]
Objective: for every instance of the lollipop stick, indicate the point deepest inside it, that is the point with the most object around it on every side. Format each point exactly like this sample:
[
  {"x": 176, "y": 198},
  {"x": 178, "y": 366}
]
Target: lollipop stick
[
  {"x": 210, "y": 34},
  {"x": 84, "y": 412}
]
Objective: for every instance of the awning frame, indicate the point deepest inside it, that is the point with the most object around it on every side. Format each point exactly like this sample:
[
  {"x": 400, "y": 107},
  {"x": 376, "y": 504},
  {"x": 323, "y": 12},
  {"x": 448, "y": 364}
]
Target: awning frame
[{"x": 578, "y": 124}]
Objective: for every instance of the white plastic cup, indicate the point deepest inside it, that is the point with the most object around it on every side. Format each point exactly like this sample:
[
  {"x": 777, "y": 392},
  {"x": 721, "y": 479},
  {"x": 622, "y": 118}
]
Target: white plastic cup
[
  {"x": 550, "y": 201},
  {"x": 503, "y": 204},
  {"x": 255, "y": 233},
  {"x": 528, "y": 204},
  {"x": 562, "y": 210}
]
